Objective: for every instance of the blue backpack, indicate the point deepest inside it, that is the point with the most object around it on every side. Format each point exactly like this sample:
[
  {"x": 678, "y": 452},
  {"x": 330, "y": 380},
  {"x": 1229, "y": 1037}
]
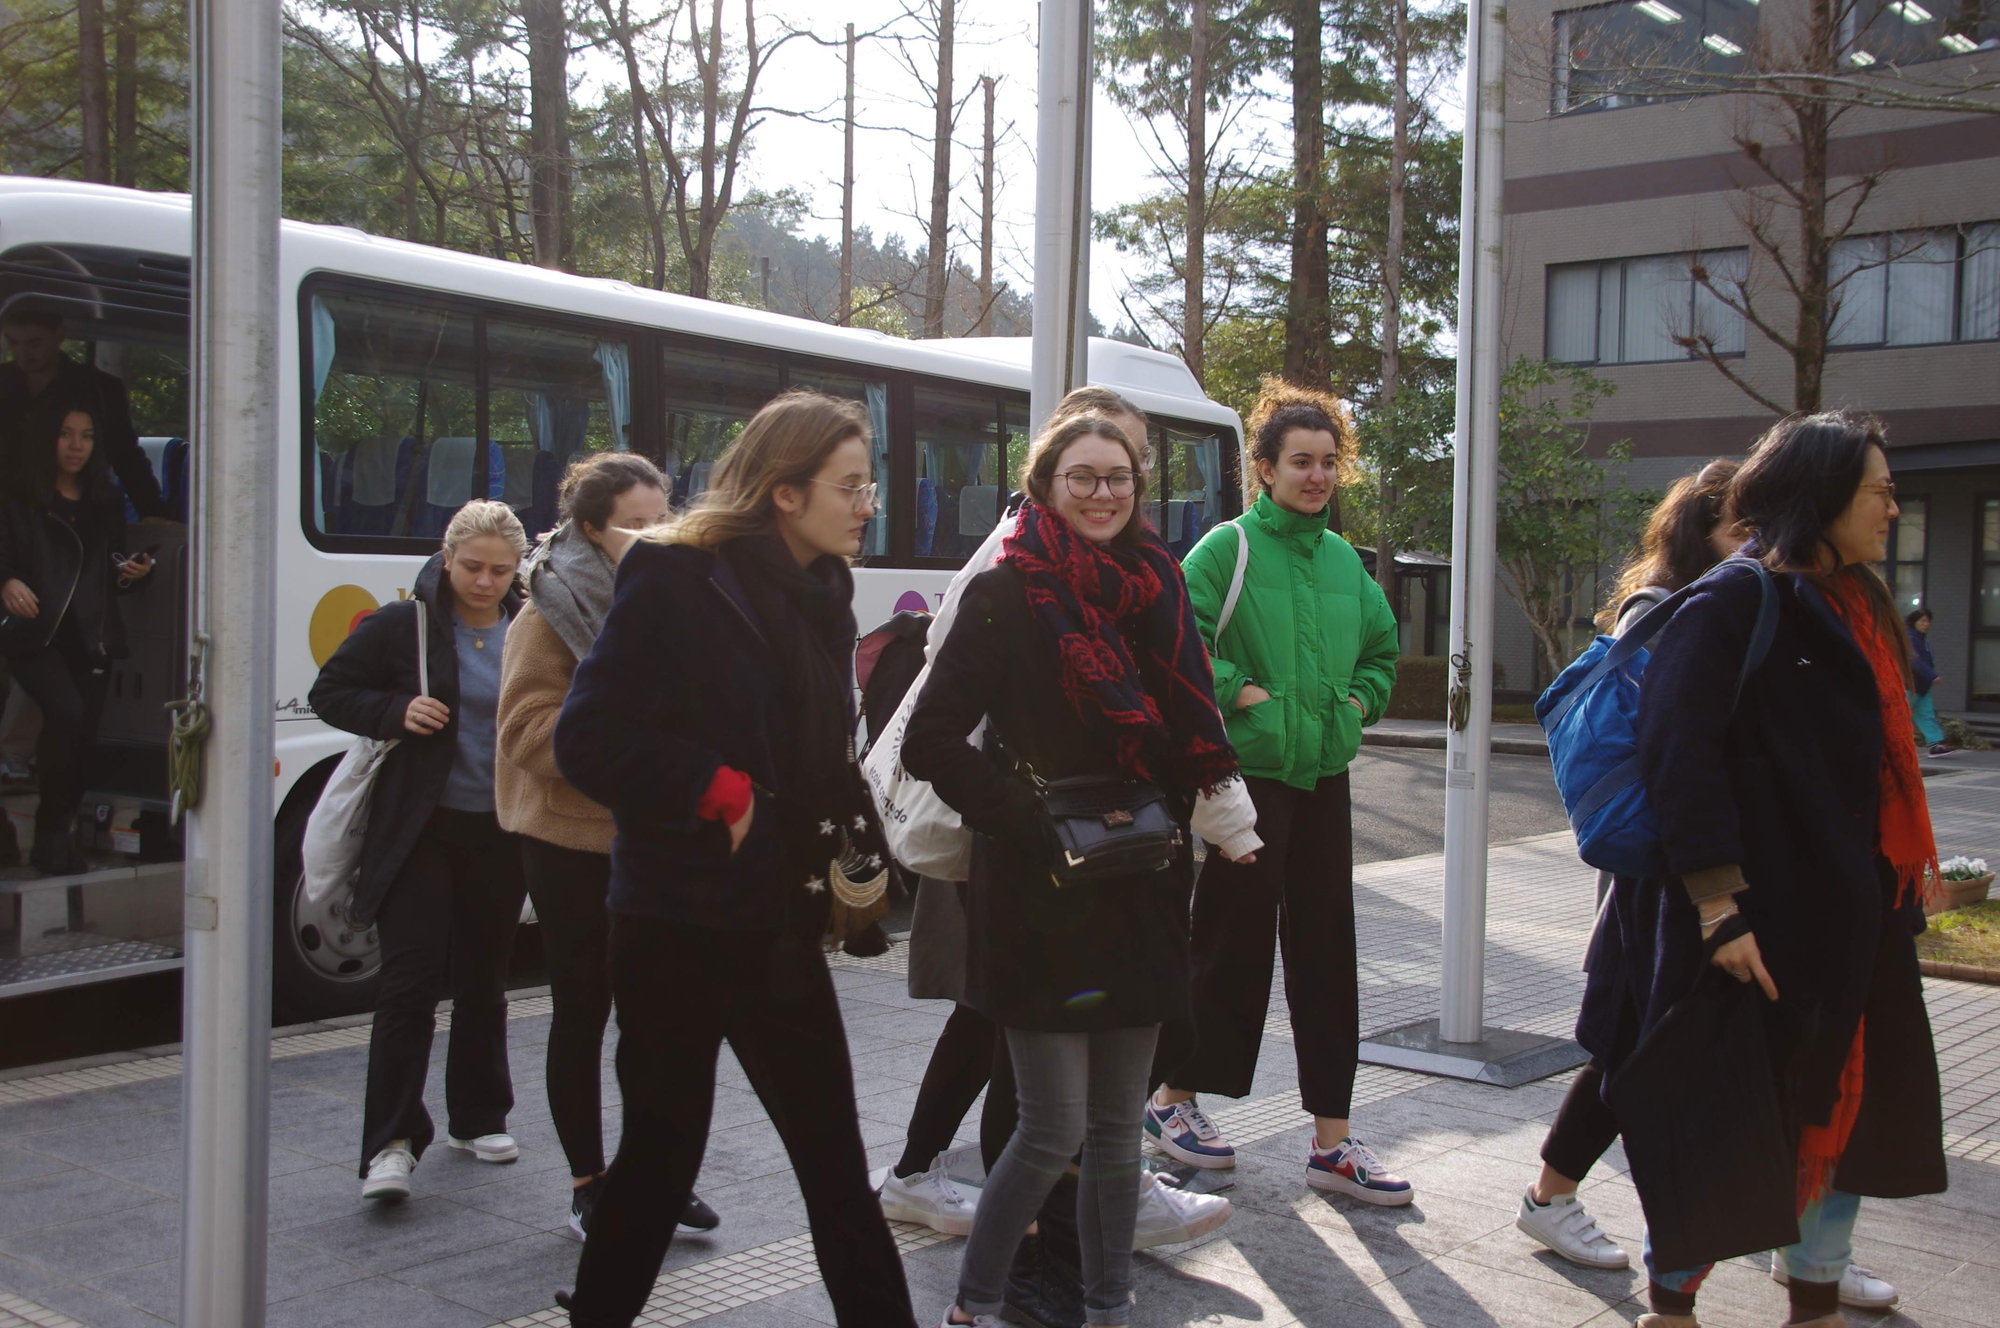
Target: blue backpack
[{"x": 1591, "y": 714}]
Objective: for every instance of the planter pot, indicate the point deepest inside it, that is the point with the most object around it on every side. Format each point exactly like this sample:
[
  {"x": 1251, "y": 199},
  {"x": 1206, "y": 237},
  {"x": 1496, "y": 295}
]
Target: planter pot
[{"x": 1959, "y": 894}]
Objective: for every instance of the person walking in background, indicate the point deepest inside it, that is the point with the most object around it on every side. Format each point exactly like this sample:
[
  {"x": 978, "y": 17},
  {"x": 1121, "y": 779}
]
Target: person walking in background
[
  {"x": 714, "y": 717},
  {"x": 1798, "y": 848},
  {"x": 1305, "y": 661},
  {"x": 440, "y": 880},
  {"x": 1923, "y": 679},
  {"x": 606, "y": 500},
  {"x": 64, "y": 560},
  {"x": 1080, "y": 650},
  {"x": 1687, "y": 534}
]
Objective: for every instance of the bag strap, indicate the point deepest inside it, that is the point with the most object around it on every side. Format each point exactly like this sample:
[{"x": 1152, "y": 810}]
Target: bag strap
[
  {"x": 1235, "y": 581},
  {"x": 423, "y": 648},
  {"x": 1639, "y": 633}
]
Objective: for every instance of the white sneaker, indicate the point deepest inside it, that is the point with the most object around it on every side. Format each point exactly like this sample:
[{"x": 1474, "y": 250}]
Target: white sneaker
[
  {"x": 389, "y": 1172},
  {"x": 1169, "y": 1215},
  {"x": 929, "y": 1199},
  {"x": 488, "y": 1147},
  {"x": 1858, "y": 1287},
  {"x": 976, "y": 1321},
  {"x": 1564, "y": 1226}
]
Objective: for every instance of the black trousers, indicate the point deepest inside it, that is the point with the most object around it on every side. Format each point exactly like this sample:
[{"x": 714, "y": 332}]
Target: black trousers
[
  {"x": 569, "y": 888},
  {"x": 680, "y": 991},
  {"x": 1300, "y": 889},
  {"x": 1584, "y": 1127},
  {"x": 447, "y": 924},
  {"x": 960, "y": 1065},
  {"x": 71, "y": 693}
]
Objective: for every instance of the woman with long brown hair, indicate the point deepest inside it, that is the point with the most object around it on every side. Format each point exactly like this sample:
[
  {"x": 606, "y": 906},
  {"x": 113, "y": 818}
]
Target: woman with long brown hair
[{"x": 714, "y": 717}]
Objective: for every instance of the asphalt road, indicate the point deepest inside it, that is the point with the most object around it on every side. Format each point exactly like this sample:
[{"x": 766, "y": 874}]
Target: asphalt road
[{"x": 1399, "y": 802}]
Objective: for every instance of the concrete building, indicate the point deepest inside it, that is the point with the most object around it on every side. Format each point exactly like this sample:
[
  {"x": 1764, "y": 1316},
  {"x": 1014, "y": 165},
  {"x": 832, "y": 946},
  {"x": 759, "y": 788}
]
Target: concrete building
[{"x": 1619, "y": 176}]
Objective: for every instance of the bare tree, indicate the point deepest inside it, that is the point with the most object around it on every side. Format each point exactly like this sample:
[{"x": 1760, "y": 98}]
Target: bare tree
[
  {"x": 984, "y": 327},
  {"x": 1309, "y": 309},
  {"x": 94, "y": 89},
  {"x": 1392, "y": 283},
  {"x": 648, "y": 127},
  {"x": 1194, "y": 275},
  {"x": 550, "y": 170},
  {"x": 125, "y": 112},
  {"x": 846, "y": 309},
  {"x": 938, "y": 233}
]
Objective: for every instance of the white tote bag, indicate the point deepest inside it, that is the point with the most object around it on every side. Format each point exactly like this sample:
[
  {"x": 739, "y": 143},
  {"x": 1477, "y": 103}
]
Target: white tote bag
[
  {"x": 339, "y": 821},
  {"x": 924, "y": 834}
]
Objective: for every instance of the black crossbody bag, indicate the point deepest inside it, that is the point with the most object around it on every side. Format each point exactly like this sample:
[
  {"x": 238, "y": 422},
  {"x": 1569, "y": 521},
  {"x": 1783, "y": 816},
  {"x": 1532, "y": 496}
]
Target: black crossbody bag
[{"x": 1104, "y": 826}]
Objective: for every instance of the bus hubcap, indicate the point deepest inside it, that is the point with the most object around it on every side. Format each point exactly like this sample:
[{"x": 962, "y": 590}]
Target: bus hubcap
[{"x": 327, "y": 942}]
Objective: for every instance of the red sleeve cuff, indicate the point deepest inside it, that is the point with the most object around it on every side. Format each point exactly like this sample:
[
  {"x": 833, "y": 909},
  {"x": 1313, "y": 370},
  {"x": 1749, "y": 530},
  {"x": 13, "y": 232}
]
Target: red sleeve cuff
[{"x": 728, "y": 797}]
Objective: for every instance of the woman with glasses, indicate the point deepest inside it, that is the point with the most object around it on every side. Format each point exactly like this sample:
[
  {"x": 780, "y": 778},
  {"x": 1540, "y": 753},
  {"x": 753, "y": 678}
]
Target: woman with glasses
[
  {"x": 1798, "y": 851},
  {"x": 714, "y": 717},
  {"x": 1307, "y": 658},
  {"x": 606, "y": 498},
  {"x": 1080, "y": 650}
]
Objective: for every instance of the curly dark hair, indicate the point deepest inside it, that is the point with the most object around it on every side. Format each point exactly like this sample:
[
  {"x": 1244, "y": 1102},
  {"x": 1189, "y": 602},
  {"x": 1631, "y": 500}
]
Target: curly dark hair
[{"x": 1282, "y": 407}]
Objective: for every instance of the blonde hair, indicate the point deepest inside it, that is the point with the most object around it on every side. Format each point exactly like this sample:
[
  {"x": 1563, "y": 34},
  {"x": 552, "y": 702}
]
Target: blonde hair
[
  {"x": 483, "y": 517},
  {"x": 1038, "y": 471},
  {"x": 1282, "y": 407},
  {"x": 785, "y": 443}
]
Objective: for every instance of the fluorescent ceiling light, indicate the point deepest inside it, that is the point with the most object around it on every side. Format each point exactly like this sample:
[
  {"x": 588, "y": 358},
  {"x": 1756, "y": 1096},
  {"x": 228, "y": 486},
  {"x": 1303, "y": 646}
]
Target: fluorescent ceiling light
[
  {"x": 1958, "y": 43},
  {"x": 1721, "y": 45},
  {"x": 1658, "y": 12},
  {"x": 1861, "y": 58},
  {"x": 1911, "y": 11}
]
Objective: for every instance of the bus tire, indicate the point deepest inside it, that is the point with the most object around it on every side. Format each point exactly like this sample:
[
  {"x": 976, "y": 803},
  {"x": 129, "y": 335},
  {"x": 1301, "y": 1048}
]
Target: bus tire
[{"x": 319, "y": 968}]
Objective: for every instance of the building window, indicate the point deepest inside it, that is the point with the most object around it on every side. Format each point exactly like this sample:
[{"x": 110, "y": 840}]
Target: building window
[
  {"x": 1916, "y": 288},
  {"x": 1986, "y": 610},
  {"x": 1909, "y": 550},
  {"x": 1907, "y": 32},
  {"x": 1634, "y": 54},
  {"x": 1632, "y": 310}
]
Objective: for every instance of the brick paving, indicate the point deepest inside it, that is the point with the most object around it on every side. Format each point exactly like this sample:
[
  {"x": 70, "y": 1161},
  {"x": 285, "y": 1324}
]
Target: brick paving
[{"x": 90, "y": 1170}]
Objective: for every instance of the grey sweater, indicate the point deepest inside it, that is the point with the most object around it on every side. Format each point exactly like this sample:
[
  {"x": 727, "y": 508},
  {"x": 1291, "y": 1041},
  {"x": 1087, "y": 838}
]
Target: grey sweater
[{"x": 470, "y": 785}]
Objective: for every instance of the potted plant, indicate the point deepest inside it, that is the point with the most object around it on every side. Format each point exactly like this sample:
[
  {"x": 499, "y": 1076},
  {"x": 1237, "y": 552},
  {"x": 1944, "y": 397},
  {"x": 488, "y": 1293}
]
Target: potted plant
[{"x": 1963, "y": 880}]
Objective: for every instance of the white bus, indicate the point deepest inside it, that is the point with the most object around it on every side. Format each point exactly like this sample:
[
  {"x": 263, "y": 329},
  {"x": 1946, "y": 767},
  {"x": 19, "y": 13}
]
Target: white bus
[{"x": 412, "y": 379}]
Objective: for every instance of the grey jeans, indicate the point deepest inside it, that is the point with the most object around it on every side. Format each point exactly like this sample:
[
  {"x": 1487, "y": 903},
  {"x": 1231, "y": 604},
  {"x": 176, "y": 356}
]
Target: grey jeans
[{"x": 1075, "y": 1090}]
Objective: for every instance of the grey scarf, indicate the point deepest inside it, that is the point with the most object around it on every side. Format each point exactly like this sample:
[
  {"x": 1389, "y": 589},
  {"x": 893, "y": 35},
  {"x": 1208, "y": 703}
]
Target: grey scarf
[{"x": 569, "y": 581}]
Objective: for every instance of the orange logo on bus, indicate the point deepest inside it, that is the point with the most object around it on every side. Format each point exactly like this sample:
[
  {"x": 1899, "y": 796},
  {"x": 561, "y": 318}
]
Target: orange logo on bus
[{"x": 334, "y": 617}]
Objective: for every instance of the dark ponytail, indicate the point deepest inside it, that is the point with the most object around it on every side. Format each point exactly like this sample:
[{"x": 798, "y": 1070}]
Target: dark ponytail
[{"x": 591, "y": 486}]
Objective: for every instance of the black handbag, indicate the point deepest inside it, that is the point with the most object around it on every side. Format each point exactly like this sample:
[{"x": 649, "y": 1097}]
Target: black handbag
[{"x": 1105, "y": 826}]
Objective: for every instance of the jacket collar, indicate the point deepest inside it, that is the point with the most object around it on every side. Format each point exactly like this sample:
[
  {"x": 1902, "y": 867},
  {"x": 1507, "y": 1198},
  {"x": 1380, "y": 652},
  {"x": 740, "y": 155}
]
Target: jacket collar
[
  {"x": 430, "y": 590},
  {"x": 1300, "y": 531}
]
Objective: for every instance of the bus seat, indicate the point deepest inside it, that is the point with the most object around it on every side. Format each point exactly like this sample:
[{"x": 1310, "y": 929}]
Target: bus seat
[
  {"x": 374, "y": 474},
  {"x": 545, "y": 481},
  {"x": 174, "y": 482},
  {"x": 697, "y": 479},
  {"x": 978, "y": 509},
  {"x": 447, "y": 484},
  {"x": 927, "y": 515},
  {"x": 518, "y": 471}
]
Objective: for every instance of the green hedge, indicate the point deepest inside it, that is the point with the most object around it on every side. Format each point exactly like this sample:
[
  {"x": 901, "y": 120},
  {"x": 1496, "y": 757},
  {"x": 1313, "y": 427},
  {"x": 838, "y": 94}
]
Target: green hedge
[{"x": 1422, "y": 685}]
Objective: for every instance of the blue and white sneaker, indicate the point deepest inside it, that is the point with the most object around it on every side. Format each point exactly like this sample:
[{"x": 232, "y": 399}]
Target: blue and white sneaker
[
  {"x": 1185, "y": 1133},
  {"x": 1351, "y": 1168}
]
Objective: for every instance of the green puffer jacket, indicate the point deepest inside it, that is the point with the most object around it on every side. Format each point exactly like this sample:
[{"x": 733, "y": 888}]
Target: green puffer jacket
[{"x": 1311, "y": 628}]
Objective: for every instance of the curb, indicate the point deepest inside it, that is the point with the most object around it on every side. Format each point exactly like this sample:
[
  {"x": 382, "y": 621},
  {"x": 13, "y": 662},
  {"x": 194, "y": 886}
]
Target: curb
[
  {"x": 1933, "y": 968},
  {"x": 1435, "y": 742}
]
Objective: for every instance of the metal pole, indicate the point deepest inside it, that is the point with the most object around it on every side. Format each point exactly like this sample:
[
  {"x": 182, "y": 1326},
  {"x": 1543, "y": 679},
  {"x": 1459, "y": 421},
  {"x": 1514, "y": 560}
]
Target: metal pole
[
  {"x": 1475, "y": 479},
  {"x": 1059, "y": 360},
  {"x": 226, "y": 1013}
]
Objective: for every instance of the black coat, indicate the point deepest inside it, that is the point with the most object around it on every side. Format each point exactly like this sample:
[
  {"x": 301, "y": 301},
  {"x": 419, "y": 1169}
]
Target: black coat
[
  {"x": 365, "y": 689},
  {"x": 68, "y": 564},
  {"x": 681, "y": 682},
  {"x": 1787, "y": 788},
  {"x": 1041, "y": 957}
]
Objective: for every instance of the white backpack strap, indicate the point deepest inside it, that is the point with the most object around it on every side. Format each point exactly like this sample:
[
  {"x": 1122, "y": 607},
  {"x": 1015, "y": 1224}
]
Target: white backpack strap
[
  {"x": 1235, "y": 582},
  {"x": 423, "y": 648}
]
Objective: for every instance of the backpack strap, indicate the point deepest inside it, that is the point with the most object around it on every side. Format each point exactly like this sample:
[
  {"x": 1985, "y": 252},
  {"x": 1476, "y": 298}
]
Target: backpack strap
[
  {"x": 1235, "y": 581},
  {"x": 423, "y": 648}
]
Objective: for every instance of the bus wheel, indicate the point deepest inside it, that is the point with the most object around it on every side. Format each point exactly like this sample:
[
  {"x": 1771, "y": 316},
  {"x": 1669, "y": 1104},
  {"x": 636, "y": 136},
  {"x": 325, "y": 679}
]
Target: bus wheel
[{"x": 320, "y": 966}]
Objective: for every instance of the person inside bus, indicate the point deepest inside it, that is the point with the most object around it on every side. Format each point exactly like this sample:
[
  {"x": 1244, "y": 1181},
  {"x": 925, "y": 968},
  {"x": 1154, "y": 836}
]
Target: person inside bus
[
  {"x": 1080, "y": 649},
  {"x": 37, "y": 373},
  {"x": 714, "y": 717},
  {"x": 565, "y": 837},
  {"x": 1307, "y": 659},
  {"x": 440, "y": 881},
  {"x": 64, "y": 559}
]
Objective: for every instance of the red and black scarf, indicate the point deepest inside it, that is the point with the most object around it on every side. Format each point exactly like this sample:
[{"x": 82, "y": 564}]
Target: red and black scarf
[{"x": 1101, "y": 604}]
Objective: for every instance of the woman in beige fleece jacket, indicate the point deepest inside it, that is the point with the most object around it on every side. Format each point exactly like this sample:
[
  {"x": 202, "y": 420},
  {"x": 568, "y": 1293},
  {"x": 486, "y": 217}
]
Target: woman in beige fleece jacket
[{"x": 566, "y": 837}]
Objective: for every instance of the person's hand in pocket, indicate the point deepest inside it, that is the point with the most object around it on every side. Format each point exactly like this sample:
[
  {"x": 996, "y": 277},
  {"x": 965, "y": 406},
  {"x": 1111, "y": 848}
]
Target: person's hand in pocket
[
  {"x": 739, "y": 829},
  {"x": 1250, "y": 694}
]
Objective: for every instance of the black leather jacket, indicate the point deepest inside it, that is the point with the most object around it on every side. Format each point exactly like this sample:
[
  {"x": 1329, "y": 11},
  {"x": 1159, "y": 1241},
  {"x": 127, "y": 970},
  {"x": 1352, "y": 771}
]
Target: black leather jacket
[{"x": 68, "y": 563}]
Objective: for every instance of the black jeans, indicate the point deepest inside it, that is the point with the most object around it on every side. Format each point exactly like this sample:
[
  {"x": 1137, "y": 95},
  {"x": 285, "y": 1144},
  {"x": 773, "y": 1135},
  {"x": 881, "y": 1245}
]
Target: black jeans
[
  {"x": 1584, "y": 1128},
  {"x": 70, "y": 692},
  {"x": 680, "y": 991},
  {"x": 1300, "y": 888},
  {"x": 569, "y": 889},
  {"x": 448, "y": 920},
  {"x": 960, "y": 1065}
]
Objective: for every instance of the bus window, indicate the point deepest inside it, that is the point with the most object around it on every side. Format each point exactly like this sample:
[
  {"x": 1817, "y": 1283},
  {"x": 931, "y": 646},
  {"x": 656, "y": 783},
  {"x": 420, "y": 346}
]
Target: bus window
[
  {"x": 874, "y": 393},
  {"x": 1186, "y": 485},
  {"x": 960, "y": 459},
  {"x": 1015, "y": 414},
  {"x": 552, "y": 396},
  {"x": 709, "y": 398},
  {"x": 395, "y": 417}
]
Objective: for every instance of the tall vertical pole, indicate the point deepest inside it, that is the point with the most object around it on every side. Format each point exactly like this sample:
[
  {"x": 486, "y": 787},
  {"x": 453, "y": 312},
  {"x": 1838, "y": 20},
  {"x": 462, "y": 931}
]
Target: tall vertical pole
[
  {"x": 226, "y": 1014},
  {"x": 847, "y": 197},
  {"x": 1475, "y": 479},
  {"x": 1059, "y": 360}
]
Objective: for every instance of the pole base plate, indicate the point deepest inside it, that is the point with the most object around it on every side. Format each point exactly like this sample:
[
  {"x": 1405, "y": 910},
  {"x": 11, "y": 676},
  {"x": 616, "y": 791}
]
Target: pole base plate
[{"x": 1502, "y": 1057}]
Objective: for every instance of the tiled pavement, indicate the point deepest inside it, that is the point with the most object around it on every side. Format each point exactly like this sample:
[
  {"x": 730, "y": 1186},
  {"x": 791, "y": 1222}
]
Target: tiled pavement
[{"x": 90, "y": 1163}]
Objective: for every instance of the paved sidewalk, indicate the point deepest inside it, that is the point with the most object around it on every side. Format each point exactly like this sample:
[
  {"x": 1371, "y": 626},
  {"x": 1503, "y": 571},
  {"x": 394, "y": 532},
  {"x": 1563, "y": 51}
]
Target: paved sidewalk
[{"x": 90, "y": 1170}]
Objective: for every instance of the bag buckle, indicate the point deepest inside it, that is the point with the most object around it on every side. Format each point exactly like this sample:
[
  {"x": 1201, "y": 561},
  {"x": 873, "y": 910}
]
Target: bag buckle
[
  {"x": 1117, "y": 819},
  {"x": 1073, "y": 859}
]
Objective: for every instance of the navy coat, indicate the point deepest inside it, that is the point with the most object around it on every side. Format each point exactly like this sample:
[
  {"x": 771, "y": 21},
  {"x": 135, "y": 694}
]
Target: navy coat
[
  {"x": 1787, "y": 788},
  {"x": 680, "y": 683}
]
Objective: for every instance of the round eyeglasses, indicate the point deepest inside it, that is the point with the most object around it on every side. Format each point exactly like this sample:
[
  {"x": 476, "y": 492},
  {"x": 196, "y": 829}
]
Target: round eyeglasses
[
  {"x": 859, "y": 496},
  {"x": 1083, "y": 483}
]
